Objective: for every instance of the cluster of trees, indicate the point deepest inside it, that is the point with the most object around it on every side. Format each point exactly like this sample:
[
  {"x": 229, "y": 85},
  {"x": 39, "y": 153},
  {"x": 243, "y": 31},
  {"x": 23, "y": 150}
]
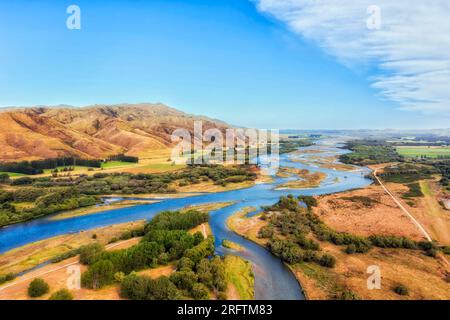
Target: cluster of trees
[
  {"x": 166, "y": 240},
  {"x": 292, "y": 253},
  {"x": 287, "y": 146},
  {"x": 287, "y": 230},
  {"x": 370, "y": 152},
  {"x": 177, "y": 220},
  {"x": 443, "y": 167},
  {"x": 123, "y": 158},
  {"x": 39, "y": 202},
  {"x": 407, "y": 173},
  {"x": 38, "y": 166}
]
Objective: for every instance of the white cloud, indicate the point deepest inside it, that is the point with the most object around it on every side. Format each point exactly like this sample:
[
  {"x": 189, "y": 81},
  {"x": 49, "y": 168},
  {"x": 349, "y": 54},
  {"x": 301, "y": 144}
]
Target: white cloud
[{"x": 410, "y": 53}]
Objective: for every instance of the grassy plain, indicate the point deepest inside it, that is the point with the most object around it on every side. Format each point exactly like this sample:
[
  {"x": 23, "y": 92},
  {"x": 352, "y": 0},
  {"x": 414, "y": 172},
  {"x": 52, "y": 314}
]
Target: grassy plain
[
  {"x": 429, "y": 152},
  {"x": 240, "y": 278}
]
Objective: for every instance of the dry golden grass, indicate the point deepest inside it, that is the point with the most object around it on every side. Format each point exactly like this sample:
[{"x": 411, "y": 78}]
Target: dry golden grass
[
  {"x": 422, "y": 275},
  {"x": 383, "y": 217},
  {"x": 158, "y": 272}
]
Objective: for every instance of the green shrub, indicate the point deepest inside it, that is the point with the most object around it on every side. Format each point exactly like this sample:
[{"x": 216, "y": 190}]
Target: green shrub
[
  {"x": 65, "y": 255},
  {"x": 162, "y": 289},
  {"x": 308, "y": 200},
  {"x": 7, "y": 277},
  {"x": 348, "y": 295},
  {"x": 327, "y": 260},
  {"x": 200, "y": 292},
  {"x": 401, "y": 289},
  {"x": 184, "y": 280},
  {"x": 350, "y": 249},
  {"x": 37, "y": 288},
  {"x": 119, "y": 276},
  {"x": 90, "y": 253},
  {"x": 99, "y": 274},
  {"x": 134, "y": 287},
  {"x": 177, "y": 220},
  {"x": 62, "y": 294}
]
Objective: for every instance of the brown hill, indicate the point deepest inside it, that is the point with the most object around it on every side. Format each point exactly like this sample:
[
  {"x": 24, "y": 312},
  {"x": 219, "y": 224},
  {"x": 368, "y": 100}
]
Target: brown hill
[{"x": 91, "y": 132}]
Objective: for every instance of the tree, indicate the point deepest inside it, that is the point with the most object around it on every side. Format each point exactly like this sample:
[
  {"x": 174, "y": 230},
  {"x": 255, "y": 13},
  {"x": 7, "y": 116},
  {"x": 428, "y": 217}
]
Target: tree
[
  {"x": 99, "y": 274},
  {"x": 62, "y": 294},
  {"x": 162, "y": 289},
  {"x": 90, "y": 253},
  {"x": 200, "y": 292},
  {"x": 184, "y": 280},
  {"x": 37, "y": 288},
  {"x": 134, "y": 287}
]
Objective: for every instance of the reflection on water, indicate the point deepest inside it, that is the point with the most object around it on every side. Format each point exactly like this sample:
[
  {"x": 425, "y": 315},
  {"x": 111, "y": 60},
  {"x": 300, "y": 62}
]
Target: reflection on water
[{"x": 272, "y": 279}]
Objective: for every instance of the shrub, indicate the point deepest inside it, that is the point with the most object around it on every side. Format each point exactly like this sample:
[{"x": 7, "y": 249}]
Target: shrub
[
  {"x": 222, "y": 296},
  {"x": 64, "y": 256},
  {"x": 327, "y": 260},
  {"x": 162, "y": 289},
  {"x": 431, "y": 252},
  {"x": 185, "y": 264},
  {"x": 37, "y": 288},
  {"x": 401, "y": 289},
  {"x": 265, "y": 232},
  {"x": 90, "y": 253},
  {"x": 119, "y": 276},
  {"x": 62, "y": 294},
  {"x": 308, "y": 200},
  {"x": 200, "y": 292},
  {"x": 7, "y": 277},
  {"x": 184, "y": 279},
  {"x": 134, "y": 287},
  {"x": 348, "y": 295},
  {"x": 350, "y": 249}
]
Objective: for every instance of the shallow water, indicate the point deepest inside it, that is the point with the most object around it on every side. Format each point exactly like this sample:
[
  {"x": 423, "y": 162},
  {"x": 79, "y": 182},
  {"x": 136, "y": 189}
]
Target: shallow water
[{"x": 273, "y": 280}]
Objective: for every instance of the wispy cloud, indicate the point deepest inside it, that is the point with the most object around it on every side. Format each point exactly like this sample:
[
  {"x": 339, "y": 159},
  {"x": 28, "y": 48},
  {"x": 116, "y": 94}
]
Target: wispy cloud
[{"x": 410, "y": 53}]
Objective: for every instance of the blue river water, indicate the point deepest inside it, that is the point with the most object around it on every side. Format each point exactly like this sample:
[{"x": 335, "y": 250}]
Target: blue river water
[{"x": 273, "y": 280}]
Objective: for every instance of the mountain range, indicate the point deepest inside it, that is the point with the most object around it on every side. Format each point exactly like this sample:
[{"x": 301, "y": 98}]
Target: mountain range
[{"x": 91, "y": 132}]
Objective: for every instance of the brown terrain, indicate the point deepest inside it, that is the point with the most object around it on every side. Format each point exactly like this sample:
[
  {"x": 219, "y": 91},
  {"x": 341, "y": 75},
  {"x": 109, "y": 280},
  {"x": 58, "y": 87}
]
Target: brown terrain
[
  {"x": 346, "y": 212},
  {"x": 90, "y": 132}
]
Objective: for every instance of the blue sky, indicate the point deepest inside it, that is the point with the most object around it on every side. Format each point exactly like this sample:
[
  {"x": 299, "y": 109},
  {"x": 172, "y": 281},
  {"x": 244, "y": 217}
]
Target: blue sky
[{"x": 228, "y": 59}]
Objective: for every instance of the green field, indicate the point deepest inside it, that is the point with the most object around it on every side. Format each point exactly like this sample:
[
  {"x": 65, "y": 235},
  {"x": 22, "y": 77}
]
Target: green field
[
  {"x": 14, "y": 174},
  {"x": 116, "y": 164},
  {"x": 429, "y": 152}
]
